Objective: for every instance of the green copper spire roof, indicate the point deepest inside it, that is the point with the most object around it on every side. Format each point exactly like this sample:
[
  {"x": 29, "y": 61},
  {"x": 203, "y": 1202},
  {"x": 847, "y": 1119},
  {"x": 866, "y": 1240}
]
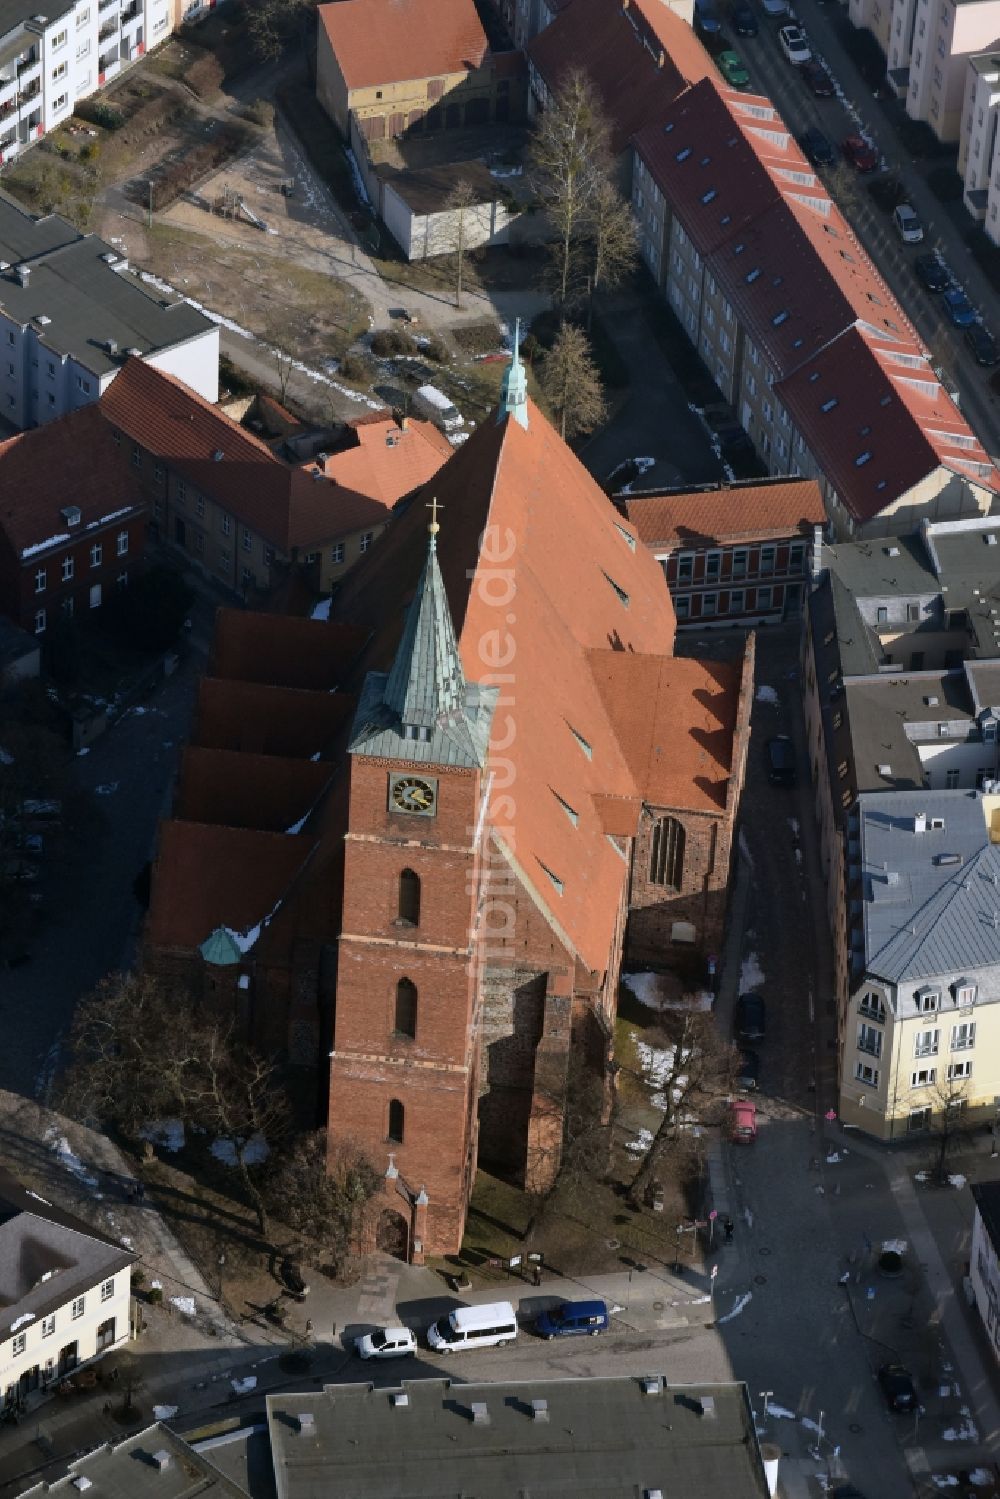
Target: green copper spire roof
[
  {"x": 514, "y": 389},
  {"x": 424, "y": 710}
]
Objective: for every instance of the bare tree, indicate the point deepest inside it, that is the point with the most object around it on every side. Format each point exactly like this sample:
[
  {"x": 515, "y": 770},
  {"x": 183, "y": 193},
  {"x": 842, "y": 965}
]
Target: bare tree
[
  {"x": 570, "y": 159},
  {"x": 571, "y": 384},
  {"x": 949, "y": 1120},
  {"x": 318, "y": 1192},
  {"x": 696, "y": 1070},
  {"x": 282, "y": 359},
  {"x": 613, "y": 240},
  {"x": 458, "y": 206}
]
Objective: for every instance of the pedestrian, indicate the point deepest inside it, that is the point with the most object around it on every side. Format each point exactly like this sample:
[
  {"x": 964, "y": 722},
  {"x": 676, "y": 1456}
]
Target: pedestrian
[
  {"x": 140, "y": 1191},
  {"x": 536, "y": 1274}
]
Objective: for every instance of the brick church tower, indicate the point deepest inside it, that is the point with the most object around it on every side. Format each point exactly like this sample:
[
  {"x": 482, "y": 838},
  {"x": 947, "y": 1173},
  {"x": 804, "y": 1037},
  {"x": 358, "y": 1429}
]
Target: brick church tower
[{"x": 405, "y": 1065}]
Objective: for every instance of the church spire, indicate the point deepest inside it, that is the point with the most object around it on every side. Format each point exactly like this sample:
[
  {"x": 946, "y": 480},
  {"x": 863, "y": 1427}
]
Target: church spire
[
  {"x": 426, "y": 684},
  {"x": 514, "y": 389}
]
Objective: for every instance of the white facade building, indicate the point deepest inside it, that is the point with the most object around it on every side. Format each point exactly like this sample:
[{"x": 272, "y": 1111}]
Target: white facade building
[
  {"x": 928, "y": 44},
  {"x": 984, "y": 1264},
  {"x": 64, "y": 1291},
  {"x": 48, "y": 62},
  {"x": 978, "y": 160}
]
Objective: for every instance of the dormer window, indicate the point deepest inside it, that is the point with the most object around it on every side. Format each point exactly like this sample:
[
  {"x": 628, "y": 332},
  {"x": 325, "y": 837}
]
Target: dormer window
[
  {"x": 927, "y": 1000},
  {"x": 965, "y": 992}
]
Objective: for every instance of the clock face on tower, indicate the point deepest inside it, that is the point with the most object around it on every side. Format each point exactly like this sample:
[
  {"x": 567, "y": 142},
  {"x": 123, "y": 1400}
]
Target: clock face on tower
[{"x": 414, "y": 794}]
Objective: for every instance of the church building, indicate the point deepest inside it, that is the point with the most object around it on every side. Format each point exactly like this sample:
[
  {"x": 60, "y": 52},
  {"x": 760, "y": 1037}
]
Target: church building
[{"x": 412, "y": 843}]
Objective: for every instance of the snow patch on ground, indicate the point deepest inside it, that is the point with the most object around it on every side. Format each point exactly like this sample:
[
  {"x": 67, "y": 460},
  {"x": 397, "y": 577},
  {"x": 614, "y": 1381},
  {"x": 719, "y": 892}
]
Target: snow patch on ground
[
  {"x": 641, "y": 1143},
  {"x": 745, "y": 849},
  {"x": 751, "y": 974},
  {"x": 256, "y": 1150},
  {"x": 244, "y": 1386},
  {"x": 737, "y": 1307},
  {"x": 650, "y": 990},
  {"x": 165, "y": 1412},
  {"x": 68, "y": 1158},
  {"x": 167, "y": 1133},
  {"x": 767, "y": 694},
  {"x": 779, "y": 1412},
  {"x": 967, "y": 1432},
  {"x": 184, "y": 1304},
  {"x": 958, "y": 1180}
]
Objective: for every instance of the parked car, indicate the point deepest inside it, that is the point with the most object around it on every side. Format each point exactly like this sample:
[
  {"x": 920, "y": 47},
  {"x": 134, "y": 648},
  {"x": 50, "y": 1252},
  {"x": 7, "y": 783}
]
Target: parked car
[
  {"x": 780, "y": 761},
  {"x": 908, "y": 225},
  {"x": 983, "y": 345},
  {"x": 742, "y": 1120},
  {"x": 386, "y": 1342},
  {"x": 774, "y": 8},
  {"x": 732, "y": 69},
  {"x": 574, "y": 1318},
  {"x": 744, "y": 18},
  {"x": 21, "y": 871},
  {"x": 749, "y": 1071},
  {"x": 751, "y": 1018},
  {"x": 933, "y": 272},
  {"x": 817, "y": 79},
  {"x": 958, "y": 307},
  {"x": 705, "y": 19},
  {"x": 817, "y": 148},
  {"x": 793, "y": 43},
  {"x": 898, "y": 1388},
  {"x": 862, "y": 156},
  {"x": 492, "y": 1325}
]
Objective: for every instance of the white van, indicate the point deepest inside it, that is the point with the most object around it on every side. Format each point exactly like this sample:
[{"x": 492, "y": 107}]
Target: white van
[
  {"x": 433, "y": 404},
  {"x": 489, "y": 1326}
]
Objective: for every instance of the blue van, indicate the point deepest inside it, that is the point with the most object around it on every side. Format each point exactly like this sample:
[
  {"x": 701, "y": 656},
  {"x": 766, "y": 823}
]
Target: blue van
[
  {"x": 574, "y": 1317},
  {"x": 705, "y": 19}
]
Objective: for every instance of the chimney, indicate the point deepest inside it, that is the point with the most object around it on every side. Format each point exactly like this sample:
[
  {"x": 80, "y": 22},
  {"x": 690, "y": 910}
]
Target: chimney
[
  {"x": 400, "y": 1399},
  {"x": 404, "y": 424},
  {"x": 539, "y": 1410},
  {"x": 651, "y": 1385},
  {"x": 306, "y": 1424},
  {"x": 23, "y": 273},
  {"x": 707, "y": 1403},
  {"x": 161, "y": 1460},
  {"x": 920, "y": 822},
  {"x": 480, "y": 1413}
]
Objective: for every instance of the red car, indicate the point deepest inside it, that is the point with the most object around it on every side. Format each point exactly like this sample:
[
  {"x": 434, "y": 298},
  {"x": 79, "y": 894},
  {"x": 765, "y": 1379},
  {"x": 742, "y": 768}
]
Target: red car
[
  {"x": 862, "y": 156},
  {"x": 817, "y": 79}
]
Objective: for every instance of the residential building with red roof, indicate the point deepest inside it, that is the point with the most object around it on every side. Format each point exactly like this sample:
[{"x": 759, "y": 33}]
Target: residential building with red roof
[
  {"x": 804, "y": 338},
  {"x": 408, "y": 66},
  {"x": 639, "y": 54},
  {"x": 423, "y": 858},
  {"x": 242, "y": 515},
  {"x": 72, "y": 520},
  {"x": 735, "y": 553}
]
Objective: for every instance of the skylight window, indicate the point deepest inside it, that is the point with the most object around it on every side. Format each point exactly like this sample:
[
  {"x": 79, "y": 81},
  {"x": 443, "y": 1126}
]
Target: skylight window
[
  {"x": 571, "y": 812},
  {"x": 705, "y": 160},
  {"x": 886, "y": 401},
  {"x": 707, "y": 197},
  {"x": 684, "y": 154},
  {"x": 814, "y": 377},
  {"x": 668, "y": 127},
  {"x": 738, "y": 249},
  {"x": 880, "y": 484},
  {"x": 798, "y": 343},
  {"x": 557, "y": 882},
  {"x": 751, "y": 276},
  {"x": 587, "y": 750},
  {"x": 865, "y": 431},
  {"x": 777, "y": 280},
  {"x": 727, "y": 218},
  {"x": 629, "y": 538},
  {"x": 779, "y": 318},
  {"x": 623, "y": 596},
  {"x": 829, "y": 405},
  {"x": 862, "y": 459}
]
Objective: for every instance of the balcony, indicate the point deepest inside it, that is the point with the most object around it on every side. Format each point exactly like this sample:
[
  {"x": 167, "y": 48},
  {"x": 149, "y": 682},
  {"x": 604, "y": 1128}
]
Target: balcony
[
  {"x": 108, "y": 30},
  {"x": 133, "y": 13},
  {"x": 26, "y": 95},
  {"x": 108, "y": 59}
]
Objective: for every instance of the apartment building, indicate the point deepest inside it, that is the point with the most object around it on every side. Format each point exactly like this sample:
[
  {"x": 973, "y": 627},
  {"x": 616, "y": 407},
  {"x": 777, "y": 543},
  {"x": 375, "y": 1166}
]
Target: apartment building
[
  {"x": 70, "y": 313},
  {"x": 73, "y": 521},
  {"x": 735, "y": 554},
  {"x": 978, "y": 162},
  {"x": 236, "y": 510},
  {"x": 920, "y": 1029},
  {"x": 928, "y": 44},
  {"x": 984, "y": 1259},
  {"x": 64, "y": 1290},
  {"x": 803, "y": 337},
  {"x": 48, "y": 62}
]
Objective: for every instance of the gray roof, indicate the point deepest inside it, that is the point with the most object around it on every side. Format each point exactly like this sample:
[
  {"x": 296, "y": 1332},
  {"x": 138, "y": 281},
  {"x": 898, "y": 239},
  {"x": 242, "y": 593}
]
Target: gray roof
[
  {"x": 425, "y": 692},
  {"x": 984, "y": 680},
  {"x": 131, "y": 1469},
  {"x": 88, "y": 303},
  {"x": 601, "y": 1439},
  {"x": 970, "y": 577},
  {"x": 22, "y": 236},
  {"x": 890, "y": 565},
  {"x": 47, "y": 1256},
  {"x": 931, "y": 900}
]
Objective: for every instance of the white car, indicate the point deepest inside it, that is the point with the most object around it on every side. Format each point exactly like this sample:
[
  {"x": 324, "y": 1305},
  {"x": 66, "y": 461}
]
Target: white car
[
  {"x": 386, "y": 1342},
  {"x": 908, "y": 225},
  {"x": 794, "y": 45}
]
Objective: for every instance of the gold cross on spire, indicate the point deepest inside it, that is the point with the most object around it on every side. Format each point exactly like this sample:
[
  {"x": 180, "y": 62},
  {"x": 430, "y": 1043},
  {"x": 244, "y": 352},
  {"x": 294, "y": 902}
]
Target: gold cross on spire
[{"x": 435, "y": 524}]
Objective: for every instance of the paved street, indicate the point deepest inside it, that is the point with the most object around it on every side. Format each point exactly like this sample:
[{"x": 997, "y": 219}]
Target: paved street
[{"x": 774, "y": 76}]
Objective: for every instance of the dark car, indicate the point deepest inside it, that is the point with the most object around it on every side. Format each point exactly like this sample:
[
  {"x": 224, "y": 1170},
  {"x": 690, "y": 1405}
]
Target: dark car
[
  {"x": 958, "y": 307},
  {"x": 932, "y": 272},
  {"x": 898, "y": 1388},
  {"x": 751, "y": 1018},
  {"x": 862, "y": 156},
  {"x": 744, "y": 18},
  {"x": 817, "y": 148},
  {"x": 748, "y": 1072},
  {"x": 983, "y": 345},
  {"x": 780, "y": 761},
  {"x": 574, "y": 1318},
  {"x": 846, "y": 1491},
  {"x": 817, "y": 79},
  {"x": 734, "y": 440}
]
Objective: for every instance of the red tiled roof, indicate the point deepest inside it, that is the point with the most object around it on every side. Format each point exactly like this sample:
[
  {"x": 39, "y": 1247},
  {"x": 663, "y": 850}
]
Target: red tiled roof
[
  {"x": 804, "y": 290},
  {"x": 71, "y": 461},
  {"x": 394, "y": 41},
  {"x": 247, "y": 791},
  {"x": 740, "y": 512},
  {"x": 388, "y": 460},
  {"x": 282, "y": 651},
  {"x": 285, "y": 721},
  {"x": 639, "y": 56},
  {"x": 278, "y": 501}
]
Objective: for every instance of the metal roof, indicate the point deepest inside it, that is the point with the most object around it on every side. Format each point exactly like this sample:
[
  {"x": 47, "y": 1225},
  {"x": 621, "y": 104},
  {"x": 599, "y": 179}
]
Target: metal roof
[{"x": 154, "y": 1461}]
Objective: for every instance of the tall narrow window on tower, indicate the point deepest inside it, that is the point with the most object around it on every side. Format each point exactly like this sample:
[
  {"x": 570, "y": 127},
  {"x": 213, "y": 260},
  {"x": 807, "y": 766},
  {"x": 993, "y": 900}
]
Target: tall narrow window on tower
[
  {"x": 409, "y": 898},
  {"x": 406, "y": 1008},
  {"x": 396, "y": 1113},
  {"x": 666, "y": 860}
]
